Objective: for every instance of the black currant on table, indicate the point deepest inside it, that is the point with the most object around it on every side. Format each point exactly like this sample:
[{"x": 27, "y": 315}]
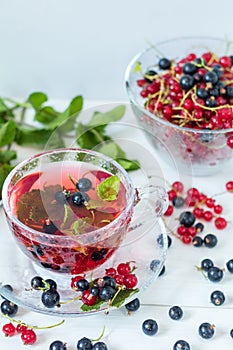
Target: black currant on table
[
  {"x": 9, "y": 308},
  {"x": 197, "y": 241},
  {"x": 217, "y": 297},
  {"x": 84, "y": 344},
  {"x": 206, "y": 330},
  {"x": 37, "y": 282},
  {"x": 175, "y": 313},
  {"x": 109, "y": 281},
  {"x": 99, "y": 346},
  {"x": 107, "y": 293},
  {"x": 215, "y": 274},
  {"x": 133, "y": 305},
  {"x": 199, "y": 227},
  {"x": 178, "y": 202},
  {"x": 150, "y": 327},
  {"x": 181, "y": 345},
  {"x": 51, "y": 284},
  {"x": 210, "y": 240},
  {"x": 82, "y": 284},
  {"x": 206, "y": 264},
  {"x": 187, "y": 218},
  {"x": 57, "y": 345},
  {"x": 229, "y": 265}
]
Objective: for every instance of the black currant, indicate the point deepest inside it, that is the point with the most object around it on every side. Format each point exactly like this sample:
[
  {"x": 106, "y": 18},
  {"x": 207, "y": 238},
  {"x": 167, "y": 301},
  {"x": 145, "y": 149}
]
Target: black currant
[
  {"x": 52, "y": 284},
  {"x": 57, "y": 345},
  {"x": 200, "y": 60},
  {"x": 175, "y": 312},
  {"x": 231, "y": 333},
  {"x": 99, "y": 346},
  {"x": 178, "y": 202},
  {"x": 206, "y": 264},
  {"x": 186, "y": 82},
  {"x": 217, "y": 297},
  {"x": 79, "y": 198},
  {"x": 84, "y": 344},
  {"x": 154, "y": 265},
  {"x": 218, "y": 69},
  {"x": 214, "y": 91},
  {"x": 50, "y": 228},
  {"x": 150, "y": 327},
  {"x": 109, "y": 281},
  {"x": 197, "y": 241},
  {"x": 181, "y": 345},
  {"x": 162, "y": 271},
  {"x": 8, "y": 288},
  {"x": 82, "y": 285},
  {"x": 95, "y": 291},
  {"x": 199, "y": 227},
  {"x": 215, "y": 274},
  {"x": 197, "y": 77},
  {"x": 37, "y": 282},
  {"x": 210, "y": 240},
  {"x": 50, "y": 298},
  {"x": 210, "y": 77},
  {"x": 206, "y": 330},
  {"x": 9, "y": 308},
  {"x": 133, "y": 305},
  {"x": 107, "y": 293},
  {"x": 206, "y": 136},
  {"x": 190, "y": 68},
  {"x": 229, "y": 265},
  {"x": 202, "y": 93},
  {"x": 187, "y": 218},
  {"x": 84, "y": 184},
  {"x": 229, "y": 91},
  {"x": 169, "y": 241},
  {"x": 98, "y": 254},
  {"x": 164, "y": 63},
  {"x": 211, "y": 102},
  {"x": 150, "y": 75}
]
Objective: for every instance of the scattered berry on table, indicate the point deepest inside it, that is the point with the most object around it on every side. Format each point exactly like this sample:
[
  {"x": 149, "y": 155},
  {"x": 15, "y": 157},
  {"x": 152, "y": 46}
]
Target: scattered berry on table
[
  {"x": 210, "y": 240},
  {"x": 175, "y": 313},
  {"x": 199, "y": 227},
  {"x": 9, "y": 329},
  {"x": 82, "y": 284},
  {"x": 181, "y": 345},
  {"x": 206, "y": 264},
  {"x": 57, "y": 345},
  {"x": 206, "y": 330},
  {"x": 99, "y": 346},
  {"x": 217, "y": 298},
  {"x": 150, "y": 327},
  {"x": 187, "y": 218},
  {"x": 84, "y": 344},
  {"x": 133, "y": 305},
  {"x": 229, "y": 265},
  {"x": 9, "y": 308},
  {"x": 107, "y": 293},
  {"x": 197, "y": 241},
  {"x": 37, "y": 282},
  {"x": 28, "y": 337},
  {"x": 215, "y": 274},
  {"x": 8, "y": 288}
]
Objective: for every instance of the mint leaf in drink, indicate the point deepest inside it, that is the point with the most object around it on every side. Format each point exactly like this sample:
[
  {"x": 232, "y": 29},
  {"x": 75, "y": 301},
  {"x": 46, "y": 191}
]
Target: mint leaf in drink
[
  {"x": 109, "y": 188},
  {"x": 7, "y": 132},
  {"x": 37, "y": 99},
  {"x": 122, "y": 295}
]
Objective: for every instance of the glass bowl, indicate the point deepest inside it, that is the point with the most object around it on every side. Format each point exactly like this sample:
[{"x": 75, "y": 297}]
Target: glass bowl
[
  {"x": 206, "y": 150},
  {"x": 55, "y": 233}
]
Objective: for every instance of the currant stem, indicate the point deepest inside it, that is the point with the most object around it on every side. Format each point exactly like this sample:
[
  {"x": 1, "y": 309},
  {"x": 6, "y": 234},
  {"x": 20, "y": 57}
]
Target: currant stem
[
  {"x": 200, "y": 270},
  {"x": 70, "y": 300},
  {"x": 13, "y": 320},
  {"x": 100, "y": 337}
]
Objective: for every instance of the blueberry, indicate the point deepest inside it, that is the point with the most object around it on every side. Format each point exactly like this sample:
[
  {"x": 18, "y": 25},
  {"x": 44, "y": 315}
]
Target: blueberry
[
  {"x": 178, "y": 202},
  {"x": 175, "y": 312},
  {"x": 150, "y": 327},
  {"x": 197, "y": 241},
  {"x": 187, "y": 218},
  {"x": 186, "y": 82},
  {"x": 79, "y": 198},
  {"x": 9, "y": 308},
  {"x": 37, "y": 282},
  {"x": 206, "y": 264},
  {"x": 84, "y": 184},
  {"x": 210, "y": 77},
  {"x": 99, "y": 346},
  {"x": 206, "y": 330},
  {"x": 133, "y": 305},
  {"x": 57, "y": 345},
  {"x": 164, "y": 63},
  {"x": 217, "y": 297},
  {"x": 84, "y": 344},
  {"x": 107, "y": 293},
  {"x": 202, "y": 93},
  {"x": 189, "y": 68},
  {"x": 50, "y": 298},
  {"x": 210, "y": 240},
  {"x": 82, "y": 285},
  {"x": 181, "y": 345},
  {"x": 229, "y": 265},
  {"x": 215, "y": 274}
]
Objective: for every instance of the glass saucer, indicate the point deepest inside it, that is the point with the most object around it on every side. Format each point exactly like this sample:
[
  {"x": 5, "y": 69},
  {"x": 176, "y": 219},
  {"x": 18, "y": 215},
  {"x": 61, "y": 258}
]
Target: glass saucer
[{"x": 17, "y": 270}]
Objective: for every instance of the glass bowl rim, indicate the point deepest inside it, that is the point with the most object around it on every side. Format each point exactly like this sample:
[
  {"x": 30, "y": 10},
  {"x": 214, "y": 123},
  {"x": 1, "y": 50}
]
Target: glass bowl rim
[
  {"x": 133, "y": 98},
  {"x": 108, "y": 227}
]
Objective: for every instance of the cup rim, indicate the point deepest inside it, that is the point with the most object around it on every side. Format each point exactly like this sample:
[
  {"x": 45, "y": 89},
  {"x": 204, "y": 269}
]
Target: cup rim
[
  {"x": 133, "y": 97},
  {"x": 108, "y": 227}
]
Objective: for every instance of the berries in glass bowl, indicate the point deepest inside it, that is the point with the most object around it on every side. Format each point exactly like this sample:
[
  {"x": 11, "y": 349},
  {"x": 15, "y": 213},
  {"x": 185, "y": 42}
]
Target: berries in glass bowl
[{"x": 181, "y": 92}]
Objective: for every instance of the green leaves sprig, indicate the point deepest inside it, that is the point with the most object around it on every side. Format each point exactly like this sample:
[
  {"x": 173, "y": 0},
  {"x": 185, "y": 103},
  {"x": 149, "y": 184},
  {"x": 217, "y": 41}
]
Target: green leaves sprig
[{"x": 50, "y": 127}]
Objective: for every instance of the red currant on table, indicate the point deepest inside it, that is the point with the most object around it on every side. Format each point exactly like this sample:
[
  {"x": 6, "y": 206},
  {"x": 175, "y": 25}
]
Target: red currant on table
[
  {"x": 229, "y": 186},
  {"x": 8, "y": 329},
  {"x": 28, "y": 337},
  {"x": 207, "y": 215},
  {"x": 21, "y": 327},
  {"x": 220, "y": 223}
]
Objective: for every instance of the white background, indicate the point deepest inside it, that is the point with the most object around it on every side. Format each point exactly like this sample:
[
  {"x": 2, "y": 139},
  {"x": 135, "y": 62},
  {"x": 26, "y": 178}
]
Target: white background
[{"x": 71, "y": 47}]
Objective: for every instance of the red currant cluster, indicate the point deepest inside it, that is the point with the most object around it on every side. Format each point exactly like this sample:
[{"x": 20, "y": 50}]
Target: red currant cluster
[
  {"x": 201, "y": 207},
  {"x": 105, "y": 289},
  {"x": 28, "y": 335},
  {"x": 196, "y": 92}
]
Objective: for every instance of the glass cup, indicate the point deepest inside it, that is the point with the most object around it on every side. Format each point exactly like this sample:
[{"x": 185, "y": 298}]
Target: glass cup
[{"x": 74, "y": 253}]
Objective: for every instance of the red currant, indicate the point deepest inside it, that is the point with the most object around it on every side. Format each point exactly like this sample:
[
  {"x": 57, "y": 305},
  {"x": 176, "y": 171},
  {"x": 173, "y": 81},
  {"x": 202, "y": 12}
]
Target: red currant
[
  {"x": 229, "y": 186},
  {"x": 193, "y": 192},
  {"x": 186, "y": 239},
  {"x": 171, "y": 194},
  {"x": 207, "y": 215},
  {"x": 141, "y": 82},
  {"x": 21, "y": 327},
  {"x": 209, "y": 202},
  {"x": 225, "y": 62},
  {"x": 28, "y": 337},
  {"x": 230, "y": 141},
  {"x": 88, "y": 298},
  {"x": 130, "y": 281},
  {"x": 110, "y": 272},
  {"x": 119, "y": 279},
  {"x": 123, "y": 269},
  {"x": 8, "y": 329},
  {"x": 181, "y": 230},
  {"x": 178, "y": 186},
  {"x": 74, "y": 281},
  {"x": 218, "y": 209},
  {"x": 191, "y": 231},
  {"x": 220, "y": 223},
  {"x": 169, "y": 211},
  {"x": 198, "y": 212}
]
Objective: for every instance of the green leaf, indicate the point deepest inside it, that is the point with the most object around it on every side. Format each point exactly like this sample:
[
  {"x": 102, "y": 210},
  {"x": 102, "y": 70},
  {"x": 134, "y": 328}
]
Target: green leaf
[
  {"x": 80, "y": 226},
  {"x": 96, "y": 306},
  {"x": 112, "y": 150},
  {"x": 122, "y": 296},
  {"x": 7, "y": 133},
  {"x": 70, "y": 115},
  {"x": 109, "y": 188},
  {"x": 128, "y": 164},
  {"x": 107, "y": 117},
  {"x": 86, "y": 137},
  {"x": 7, "y": 156},
  {"x": 46, "y": 115},
  {"x": 32, "y": 136},
  {"x": 4, "y": 171},
  {"x": 69, "y": 217},
  {"x": 138, "y": 67},
  {"x": 3, "y": 106},
  {"x": 37, "y": 99}
]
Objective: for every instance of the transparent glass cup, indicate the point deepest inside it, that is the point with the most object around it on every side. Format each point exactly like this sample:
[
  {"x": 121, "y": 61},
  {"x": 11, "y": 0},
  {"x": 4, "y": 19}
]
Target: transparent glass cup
[{"x": 75, "y": 253}]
